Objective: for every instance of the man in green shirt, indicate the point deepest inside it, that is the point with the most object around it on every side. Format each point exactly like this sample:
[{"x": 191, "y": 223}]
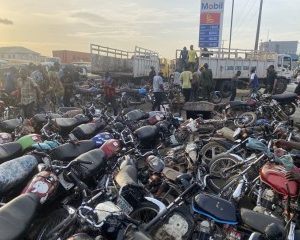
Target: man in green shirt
[
  {"x": 186, "y": 78},
  {"x": 207, "y": 82}
]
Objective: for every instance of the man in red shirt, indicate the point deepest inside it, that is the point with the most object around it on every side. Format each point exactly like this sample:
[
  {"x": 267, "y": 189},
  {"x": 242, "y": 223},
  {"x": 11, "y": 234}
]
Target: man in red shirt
[{"x": 110, "y": 92}]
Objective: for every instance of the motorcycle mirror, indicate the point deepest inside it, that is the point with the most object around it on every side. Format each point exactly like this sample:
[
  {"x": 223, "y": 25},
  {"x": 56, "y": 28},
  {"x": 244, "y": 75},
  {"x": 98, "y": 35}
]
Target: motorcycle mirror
[{"x": 237, "y": 132}]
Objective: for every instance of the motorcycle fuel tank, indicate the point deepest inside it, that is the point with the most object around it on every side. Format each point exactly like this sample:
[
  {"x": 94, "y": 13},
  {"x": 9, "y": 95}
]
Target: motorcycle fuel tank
[
  {"x": 111, "y": 148},
  {"x": 274, "y": 176}
]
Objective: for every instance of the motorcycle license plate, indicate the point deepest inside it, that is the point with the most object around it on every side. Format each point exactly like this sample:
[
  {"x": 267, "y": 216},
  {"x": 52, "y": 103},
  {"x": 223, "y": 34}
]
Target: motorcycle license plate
[
  {"x": 124, "y": 205},
  {"x": 64, "y": 183}
]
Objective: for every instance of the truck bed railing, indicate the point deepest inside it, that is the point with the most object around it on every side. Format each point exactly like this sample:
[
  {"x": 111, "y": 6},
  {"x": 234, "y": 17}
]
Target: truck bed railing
[
  {"x": 110, "y": 52},
  {"x": 224, "y": 53}
]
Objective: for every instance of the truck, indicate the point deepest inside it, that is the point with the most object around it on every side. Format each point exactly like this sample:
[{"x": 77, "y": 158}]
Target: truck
[
  {"x": 123, "y": 64},
  {"x": 224, "y": 63}
]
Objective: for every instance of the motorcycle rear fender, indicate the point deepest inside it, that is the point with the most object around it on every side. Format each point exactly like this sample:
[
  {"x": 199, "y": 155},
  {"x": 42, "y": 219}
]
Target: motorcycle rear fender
[
  {"x": 158, "y": 203},
  {"x": 237, "y": 157}
]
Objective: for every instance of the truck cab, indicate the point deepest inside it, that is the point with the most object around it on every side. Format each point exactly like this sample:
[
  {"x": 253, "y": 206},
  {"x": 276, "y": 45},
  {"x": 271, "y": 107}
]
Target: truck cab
[{"x": 284, "y": 66}]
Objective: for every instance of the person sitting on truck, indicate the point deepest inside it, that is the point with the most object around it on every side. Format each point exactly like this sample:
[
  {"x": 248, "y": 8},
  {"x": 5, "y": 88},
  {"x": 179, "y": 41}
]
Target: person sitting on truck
[
  {"x": 158, "y": 91},
  {"x": 152, "y": 74},
  {"x": 207, "y": 81},
  {"x": 192, "y": 58},
  {"x": 271, "y": 80},
  {"x": 186, "y": 78},
  {"x": 234, "y": 82},
  {"x": 184, "y": 57},
  {"x": 253, "y": 83},
  {"x": 110, "y": 92}
]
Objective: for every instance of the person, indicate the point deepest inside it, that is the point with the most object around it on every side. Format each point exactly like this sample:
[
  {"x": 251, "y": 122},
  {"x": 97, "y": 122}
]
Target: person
[
  {"x": 192, "y": 59},
  {"x": 184, "y": 57},
  {"x": 253, "y": 83},
  {"x": 234, "y": 82},
  {"x": 110, "y": 92},
  {"x": 56, "y": 88},
  {"x": 158, "y": 91},
  {"x": 186, "y": 78},
  {"x": 177, "y": 81},
  {"x": 28, "y": 90},
  {"x": 67, "y": 81},
  {"x": 9, "y": 80},
  {"x": 195, "y": 86},
  {"x": 152, "y": 74},
  {"x": 271, "y": 80},
  {"x": 207, "y": 82}
]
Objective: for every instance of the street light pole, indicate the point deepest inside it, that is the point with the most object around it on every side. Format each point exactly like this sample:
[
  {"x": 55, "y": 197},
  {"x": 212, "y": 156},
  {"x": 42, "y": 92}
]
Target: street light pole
[
  {"x": 258, "y": 26},
  {"x": 231, "y": 25}
]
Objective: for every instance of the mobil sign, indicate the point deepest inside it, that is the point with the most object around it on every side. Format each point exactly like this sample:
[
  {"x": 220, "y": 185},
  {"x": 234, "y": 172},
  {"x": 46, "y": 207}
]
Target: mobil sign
[{"x": 211, "y": 23}]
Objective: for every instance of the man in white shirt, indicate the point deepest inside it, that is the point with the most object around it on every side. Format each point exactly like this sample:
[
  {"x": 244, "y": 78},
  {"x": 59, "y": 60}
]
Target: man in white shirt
[
  {"x": 177, "y": 81},
  {"x": 158, "y": 90}
]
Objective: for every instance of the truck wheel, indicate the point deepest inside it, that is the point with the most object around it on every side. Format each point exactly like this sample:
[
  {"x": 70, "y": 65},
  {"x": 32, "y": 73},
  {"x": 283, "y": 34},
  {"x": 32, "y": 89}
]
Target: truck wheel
[
  {"x": 281, "y": 86},
  {"x": 225, "y": 88}
]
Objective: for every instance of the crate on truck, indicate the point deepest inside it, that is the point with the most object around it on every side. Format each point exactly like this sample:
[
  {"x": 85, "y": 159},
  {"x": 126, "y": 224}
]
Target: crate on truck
[
  {"x": 124, "y": 64},
  {"x": 224, "y": 64}
]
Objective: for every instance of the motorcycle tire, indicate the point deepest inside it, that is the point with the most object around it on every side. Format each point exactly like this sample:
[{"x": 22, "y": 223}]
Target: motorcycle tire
[
  {"x": 177, "y": 225},
  {"x": 216, "y": 97},
  {"x": 246, "y": 119},
  {"x": 210, "y": 150},
  {"x": 215, "y": 169},
  {"x": 47, "y": 225},
  {"x": 289, "y": 109},
  {"x": 145, "y": 212}
]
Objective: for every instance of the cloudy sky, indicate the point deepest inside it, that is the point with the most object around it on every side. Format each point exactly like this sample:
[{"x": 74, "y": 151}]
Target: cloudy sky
[{"x": 161, "y": 25}]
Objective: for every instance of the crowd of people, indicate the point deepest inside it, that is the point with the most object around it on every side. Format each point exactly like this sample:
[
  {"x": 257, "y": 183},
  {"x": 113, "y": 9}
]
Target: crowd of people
[{"x": 35, "y": 87}]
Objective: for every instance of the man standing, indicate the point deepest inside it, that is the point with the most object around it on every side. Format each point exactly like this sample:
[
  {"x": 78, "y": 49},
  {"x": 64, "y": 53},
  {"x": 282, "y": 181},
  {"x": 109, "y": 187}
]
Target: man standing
[
  {"x": 67, "y": 82},
  {"x": 234, "y": 82},
  {"x": 186, "y": 78},
  {"x": 28, "y": 91},
  {"x": 271, "y": 80},
  {"x": 207, "y": 82},
  {"x": 152, "y": 74},
  {"x": 158, "y": 91},
  {"x": 253, "y": 83},
  {"x": 184, "y": 58},
  {"x": 195, "y": 86},
  {"x": 177, "y": 81},
  {"x": 192, "y": 58},
  {"x": 110, "y": 92}
]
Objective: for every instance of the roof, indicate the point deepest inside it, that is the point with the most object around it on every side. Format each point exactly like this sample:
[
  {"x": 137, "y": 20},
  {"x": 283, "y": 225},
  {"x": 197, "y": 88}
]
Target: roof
[{"x": 14, "y": 50}]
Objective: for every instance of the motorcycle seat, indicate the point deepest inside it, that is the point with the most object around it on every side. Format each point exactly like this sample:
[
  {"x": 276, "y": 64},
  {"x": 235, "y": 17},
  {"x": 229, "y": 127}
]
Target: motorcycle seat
[
  {"x": 10, "y": 125},
  {"x": 9, "y": 151},
  {"x": 70, "y": 151},
  {"x": 258, "y": 221},
  {"x": 40, "y": 119},
  {"x": 146, "y": 133},
  {"x": 66, "y": 109},
  {"x": 16, "y": 216},
  {"x": 285, "y": 97},
  {"x": 86, "y": 131},
  {"x": 237, "y": 103},
  {"x": 136, "y": 115},
  {"x": 15, "y": 171},
  {"x": 97, "y": 159},
  {"x": 220, "y": 210},
  {"x": 127, "y": 176},
  {"x": 66, "y": 122}
]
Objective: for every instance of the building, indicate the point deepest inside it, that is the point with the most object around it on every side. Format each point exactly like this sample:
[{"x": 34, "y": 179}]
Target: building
[
  {"x": 280, "y": 47},
  {"x": 67, "y": 56},
  {"x": 19, "y": 54}
]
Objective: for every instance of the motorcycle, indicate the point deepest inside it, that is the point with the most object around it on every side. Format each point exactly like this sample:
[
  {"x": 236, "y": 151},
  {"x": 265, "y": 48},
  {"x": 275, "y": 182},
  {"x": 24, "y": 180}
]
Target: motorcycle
[{"x": 132, "y": 97}]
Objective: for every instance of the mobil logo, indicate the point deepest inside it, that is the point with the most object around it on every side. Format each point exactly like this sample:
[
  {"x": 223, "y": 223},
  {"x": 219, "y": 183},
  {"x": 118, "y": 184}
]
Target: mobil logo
[{"x": 212, "y": 5}]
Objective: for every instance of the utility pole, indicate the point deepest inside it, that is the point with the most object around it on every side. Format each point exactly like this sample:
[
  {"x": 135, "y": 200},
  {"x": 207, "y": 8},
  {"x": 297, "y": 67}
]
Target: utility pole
[
  {"x": 258, "y": 26},
  {"x": 231, "y": 27}
]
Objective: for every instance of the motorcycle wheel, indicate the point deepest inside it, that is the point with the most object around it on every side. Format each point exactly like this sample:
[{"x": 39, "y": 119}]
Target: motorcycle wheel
[
  {"x": 216, "y": 168},
  {"x": 289, "y": 108},
  {"x": 178, "y": 225},
  {"x": 47, "y": 225},
  {"x": 245, "y": 119},
  {"x": 210, "y": 150},
  {"x": 145, "y": 212},
  {"x": 216, "y": 97}
]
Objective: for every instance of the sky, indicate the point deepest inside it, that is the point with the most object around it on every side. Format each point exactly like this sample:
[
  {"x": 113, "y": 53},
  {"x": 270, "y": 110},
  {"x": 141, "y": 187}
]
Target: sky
[{"x": 159, "y": 25}]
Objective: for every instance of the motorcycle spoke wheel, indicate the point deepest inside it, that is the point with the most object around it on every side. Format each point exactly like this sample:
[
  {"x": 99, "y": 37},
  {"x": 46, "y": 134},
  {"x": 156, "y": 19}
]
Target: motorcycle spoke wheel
[
  {"x": 210, "y": 151},
  {"x": 145, "y": 212}
]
